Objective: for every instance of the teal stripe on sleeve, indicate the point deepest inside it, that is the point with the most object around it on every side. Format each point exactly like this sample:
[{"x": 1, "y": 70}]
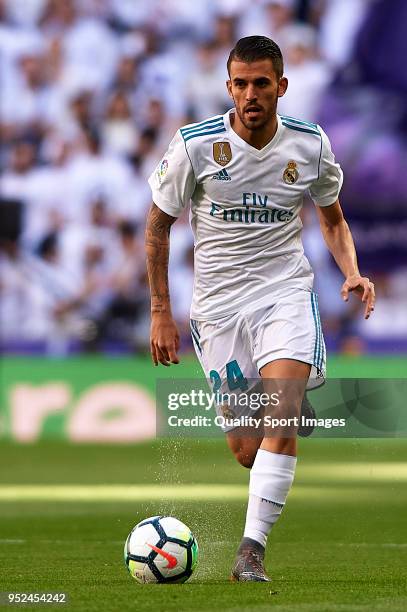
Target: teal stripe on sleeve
[
  {"x": 202, "y": 129},
  {"x": 294, "y": 120},
  {"x": 301, "y": 129},
  {"x": 206, "y": 133},
  {"x": 202, "y": 124}
]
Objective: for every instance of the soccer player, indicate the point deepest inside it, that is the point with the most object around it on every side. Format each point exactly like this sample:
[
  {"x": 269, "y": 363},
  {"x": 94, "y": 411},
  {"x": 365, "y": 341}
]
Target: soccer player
[{"x": 253, "y": 310}]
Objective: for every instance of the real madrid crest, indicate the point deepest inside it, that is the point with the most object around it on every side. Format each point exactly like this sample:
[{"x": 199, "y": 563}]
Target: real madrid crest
[
  {"x": 222, "y": 153},
  {"x": 290, "y": 175},
  {"x": 227, "y": 412}
]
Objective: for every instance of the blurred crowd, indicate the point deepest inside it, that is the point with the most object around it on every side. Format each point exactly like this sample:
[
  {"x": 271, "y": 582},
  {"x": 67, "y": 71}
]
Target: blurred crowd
[{"x": 92, "y": 92}]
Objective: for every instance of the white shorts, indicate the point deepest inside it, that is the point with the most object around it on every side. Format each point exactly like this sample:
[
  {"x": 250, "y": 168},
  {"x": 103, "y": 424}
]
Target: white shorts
[{"x": 236, "y": 347}]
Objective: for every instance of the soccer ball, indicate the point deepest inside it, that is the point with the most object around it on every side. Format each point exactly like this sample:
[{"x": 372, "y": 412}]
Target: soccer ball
[{"x": 161, "y": 549}]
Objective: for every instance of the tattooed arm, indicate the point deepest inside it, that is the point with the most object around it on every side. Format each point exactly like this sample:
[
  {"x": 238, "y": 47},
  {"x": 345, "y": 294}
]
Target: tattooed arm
[{"x": 164, "y": 337}]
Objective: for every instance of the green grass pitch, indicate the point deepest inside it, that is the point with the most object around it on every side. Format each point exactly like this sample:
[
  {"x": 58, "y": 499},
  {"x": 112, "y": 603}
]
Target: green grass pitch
[{"x": 341, "y": 543}]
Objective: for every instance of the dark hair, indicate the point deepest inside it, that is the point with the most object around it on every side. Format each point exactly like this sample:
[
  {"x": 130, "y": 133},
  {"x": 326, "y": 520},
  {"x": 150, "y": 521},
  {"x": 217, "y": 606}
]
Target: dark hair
[
  {"x": 92, "y": 136},
  {"x": 253, "y": 48},
  {"x": 47, "y": 245},
  {"x": 127, "y": 229}
]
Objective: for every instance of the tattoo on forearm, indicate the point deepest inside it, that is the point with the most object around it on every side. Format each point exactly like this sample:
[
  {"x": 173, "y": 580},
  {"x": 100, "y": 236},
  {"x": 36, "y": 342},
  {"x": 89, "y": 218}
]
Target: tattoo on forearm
[{"x": 157, "y": 249}]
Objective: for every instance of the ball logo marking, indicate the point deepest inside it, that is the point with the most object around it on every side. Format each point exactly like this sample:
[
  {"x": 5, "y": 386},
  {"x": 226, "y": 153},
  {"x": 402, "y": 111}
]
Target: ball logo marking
[{"x": 172, "y": 561}]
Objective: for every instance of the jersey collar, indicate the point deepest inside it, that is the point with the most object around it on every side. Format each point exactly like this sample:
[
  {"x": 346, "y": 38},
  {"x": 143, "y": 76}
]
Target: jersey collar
[{"x": 259, "y": 153}]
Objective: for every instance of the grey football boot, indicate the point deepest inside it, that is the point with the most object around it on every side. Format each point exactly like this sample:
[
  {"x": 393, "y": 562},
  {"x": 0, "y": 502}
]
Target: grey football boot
[{"x": 249, "y": 564}]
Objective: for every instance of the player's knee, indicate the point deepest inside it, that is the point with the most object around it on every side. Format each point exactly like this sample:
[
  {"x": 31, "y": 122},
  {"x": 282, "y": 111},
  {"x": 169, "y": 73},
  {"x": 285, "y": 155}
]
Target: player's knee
[
  {"x": 244, "y": 449},
  {"x": 245, "y": 458}
]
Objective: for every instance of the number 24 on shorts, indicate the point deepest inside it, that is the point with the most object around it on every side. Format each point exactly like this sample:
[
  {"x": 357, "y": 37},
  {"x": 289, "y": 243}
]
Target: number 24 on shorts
[{"x": 234, "y": 376}]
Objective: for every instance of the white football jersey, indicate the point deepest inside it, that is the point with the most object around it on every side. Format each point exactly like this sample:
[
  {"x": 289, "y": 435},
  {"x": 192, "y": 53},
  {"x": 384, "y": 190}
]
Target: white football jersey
[{"x": 245, "y": 206}]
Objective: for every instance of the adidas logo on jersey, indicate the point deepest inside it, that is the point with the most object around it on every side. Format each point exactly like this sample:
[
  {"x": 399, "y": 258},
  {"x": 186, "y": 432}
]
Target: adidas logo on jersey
[{"x": 222, "y": 175}]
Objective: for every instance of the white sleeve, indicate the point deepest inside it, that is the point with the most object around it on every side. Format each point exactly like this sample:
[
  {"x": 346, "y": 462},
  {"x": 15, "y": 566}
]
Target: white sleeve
[
  {"x": 325, "y": 189},
  {"x": 173, "y": 181}
]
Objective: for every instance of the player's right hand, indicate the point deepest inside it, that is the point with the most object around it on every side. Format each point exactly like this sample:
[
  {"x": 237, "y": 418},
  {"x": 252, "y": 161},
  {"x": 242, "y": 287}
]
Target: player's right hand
[{"x": 164, "y": 339}]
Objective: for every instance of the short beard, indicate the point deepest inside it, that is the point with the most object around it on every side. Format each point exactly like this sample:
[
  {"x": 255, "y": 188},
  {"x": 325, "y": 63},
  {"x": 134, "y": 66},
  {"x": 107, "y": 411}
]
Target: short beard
[
  {"x": 259, "y": 126},
  {"x": 251, "y": 127}
]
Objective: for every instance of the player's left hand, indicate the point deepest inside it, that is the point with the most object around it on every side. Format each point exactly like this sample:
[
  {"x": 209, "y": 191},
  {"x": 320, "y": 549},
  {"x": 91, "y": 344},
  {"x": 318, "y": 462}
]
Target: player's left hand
[{"x": 362, "y": 286}]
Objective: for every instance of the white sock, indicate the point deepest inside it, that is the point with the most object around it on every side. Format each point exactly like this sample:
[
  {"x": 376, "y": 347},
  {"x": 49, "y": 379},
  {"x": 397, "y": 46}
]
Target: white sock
[{"x": 271, "y": 478}]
